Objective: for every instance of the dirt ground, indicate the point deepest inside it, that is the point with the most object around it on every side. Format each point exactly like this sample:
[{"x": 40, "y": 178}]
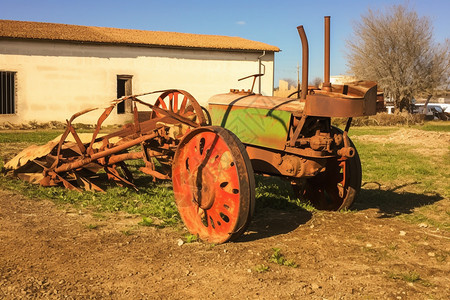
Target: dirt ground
[
  {"x": 423, "y": 142},
  {"x": 50, "y": 252}
]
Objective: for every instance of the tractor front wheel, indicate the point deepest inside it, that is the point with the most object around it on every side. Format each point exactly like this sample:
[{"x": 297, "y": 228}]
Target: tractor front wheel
[{"x": 213, "y": 184}]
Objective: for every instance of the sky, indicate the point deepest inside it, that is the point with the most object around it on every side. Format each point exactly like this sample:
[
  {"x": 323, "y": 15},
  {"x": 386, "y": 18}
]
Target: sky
[{"x": 269, "y": 21}]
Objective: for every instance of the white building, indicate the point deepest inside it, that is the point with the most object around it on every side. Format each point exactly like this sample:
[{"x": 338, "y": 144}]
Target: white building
[{"x": 51, "y": 71}]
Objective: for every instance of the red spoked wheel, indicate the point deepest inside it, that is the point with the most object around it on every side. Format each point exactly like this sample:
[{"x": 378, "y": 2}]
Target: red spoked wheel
[
  {"x": 213, "y": 183},
  {"x": 181, "y": 103},
  {"x": 337, "y": 187}
]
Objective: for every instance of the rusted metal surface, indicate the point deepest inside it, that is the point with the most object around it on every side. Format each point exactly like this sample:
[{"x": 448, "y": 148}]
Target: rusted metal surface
[
  {"x": 284, "y": 164},
  {"x": 213, "y": 184},
  {"x": 305, "y": 61},
  {"x": 31, "y": 153},
  {"x": 326, "y": 86},
  {"x": 337, "y": 185},
  {"x": 360, "y": 100},
  {"x": 73, "y": 159},
  {"x": 255, "y": 76},
  {"x": 168, "y": 103},
  {"x": 249, "y": 100}
]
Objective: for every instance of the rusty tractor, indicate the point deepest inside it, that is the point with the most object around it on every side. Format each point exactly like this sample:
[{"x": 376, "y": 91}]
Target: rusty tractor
[{"x": 211, "y": 155}]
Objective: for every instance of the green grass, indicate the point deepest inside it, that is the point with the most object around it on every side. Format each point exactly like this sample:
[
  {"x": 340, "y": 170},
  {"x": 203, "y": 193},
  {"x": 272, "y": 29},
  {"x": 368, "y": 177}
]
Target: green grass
[
  {"x": 402, "y": 182},
  {"x": 423, "y": 215},
  {"x": 408, "y": 277},
  {"x": 411, "y": 277},
  {"x": 392, "y": 246},
  {"x": 146, "y": 221},
  {"x": 152, "y": 200},
  {"x": 278, "y": 258},
  {"x": 190, "y": 238},
  {"x": 388, "y": 162},
  {"x": 277, "y": 193},
  {"x": 396, "y": 165},
  {"x": 127, "y": 232},
  {"x": 372, "y": 130},
  {"x": 92, "y": 226},
  {"x": 34, "y": 137},
  {"x": 42, "y": 136},
  {"x": 261, "y": 268},
  {"x": 439, "y": 126}
]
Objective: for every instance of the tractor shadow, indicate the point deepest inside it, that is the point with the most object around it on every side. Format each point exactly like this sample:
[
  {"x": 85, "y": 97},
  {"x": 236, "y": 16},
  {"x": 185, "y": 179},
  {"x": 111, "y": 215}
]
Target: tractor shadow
[
  {"x": 276, "y": 212},
  {"x": 392, "y": 202},
  {"x": 272, "y": 222}
]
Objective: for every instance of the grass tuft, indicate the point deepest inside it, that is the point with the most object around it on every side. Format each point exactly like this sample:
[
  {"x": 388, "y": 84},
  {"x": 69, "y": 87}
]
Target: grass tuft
[
  {"x": 411, "y": 276},
  {"x": 261, "y": 268},
  {"x": 146, "y": 221},
  {"x": 278, "y": 258},
  {"x": 127, "y": 232},
  {"x": 92, "y": 226},
  {"x": 190, "y": 238}
]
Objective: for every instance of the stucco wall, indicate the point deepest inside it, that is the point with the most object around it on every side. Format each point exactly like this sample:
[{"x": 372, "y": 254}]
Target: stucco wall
[{"x": 55, "y": 80}]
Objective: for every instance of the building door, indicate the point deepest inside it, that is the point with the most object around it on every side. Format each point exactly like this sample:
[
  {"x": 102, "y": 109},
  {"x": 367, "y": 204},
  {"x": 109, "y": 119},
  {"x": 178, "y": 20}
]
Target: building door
[{"x": 124, "y": 89}]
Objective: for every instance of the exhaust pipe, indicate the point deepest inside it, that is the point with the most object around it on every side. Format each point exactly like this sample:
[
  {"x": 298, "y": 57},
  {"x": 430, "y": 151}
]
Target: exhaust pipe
[
  {"x": 326, "y": 77},
  {"x": 305, "y": 55}
]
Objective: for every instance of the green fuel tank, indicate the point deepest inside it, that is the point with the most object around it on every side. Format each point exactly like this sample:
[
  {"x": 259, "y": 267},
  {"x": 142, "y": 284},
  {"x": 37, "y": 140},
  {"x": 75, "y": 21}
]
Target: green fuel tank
[{"x": 255, "y": 119}]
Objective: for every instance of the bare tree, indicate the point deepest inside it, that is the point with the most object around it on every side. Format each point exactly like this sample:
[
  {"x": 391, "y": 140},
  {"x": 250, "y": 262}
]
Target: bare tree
[
  {"x": 317, "y": 81},
  {"x": 292, "y": 83},
  {"x": 396, "y": 50}
]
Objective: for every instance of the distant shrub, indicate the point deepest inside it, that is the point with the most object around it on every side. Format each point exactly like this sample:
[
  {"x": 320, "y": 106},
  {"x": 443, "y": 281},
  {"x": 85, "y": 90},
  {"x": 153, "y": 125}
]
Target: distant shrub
[{"x": 382, "y": 119}]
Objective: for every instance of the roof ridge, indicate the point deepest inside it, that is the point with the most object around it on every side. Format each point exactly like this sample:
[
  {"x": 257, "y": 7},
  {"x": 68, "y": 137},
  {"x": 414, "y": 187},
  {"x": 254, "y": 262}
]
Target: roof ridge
[{"x": 13, "y": 29}]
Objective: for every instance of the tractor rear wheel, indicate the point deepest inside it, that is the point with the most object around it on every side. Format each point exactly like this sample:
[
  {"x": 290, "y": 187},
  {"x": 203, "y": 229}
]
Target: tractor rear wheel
[
  {"x": 337, "y": 187},
  {"x": 213, "y": 183}
]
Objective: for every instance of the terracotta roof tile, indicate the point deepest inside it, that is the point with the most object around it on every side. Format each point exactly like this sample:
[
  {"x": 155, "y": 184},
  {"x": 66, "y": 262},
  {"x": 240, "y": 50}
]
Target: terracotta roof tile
[{"x": 89, "y": 34}]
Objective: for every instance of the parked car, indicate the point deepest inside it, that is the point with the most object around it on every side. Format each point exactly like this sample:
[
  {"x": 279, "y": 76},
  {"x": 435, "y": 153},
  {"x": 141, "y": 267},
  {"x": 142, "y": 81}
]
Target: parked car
[{"x": 432, "y": 112}]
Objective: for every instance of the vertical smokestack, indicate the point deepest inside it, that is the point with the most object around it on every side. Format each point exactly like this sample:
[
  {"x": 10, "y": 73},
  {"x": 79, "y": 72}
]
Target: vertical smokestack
[
  {"x": 326, "y": 76},
  {"x": 305, "y": 54}
]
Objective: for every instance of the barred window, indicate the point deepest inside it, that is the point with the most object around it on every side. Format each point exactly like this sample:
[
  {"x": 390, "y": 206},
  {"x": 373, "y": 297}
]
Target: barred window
[{"x": 7, "y": 93}]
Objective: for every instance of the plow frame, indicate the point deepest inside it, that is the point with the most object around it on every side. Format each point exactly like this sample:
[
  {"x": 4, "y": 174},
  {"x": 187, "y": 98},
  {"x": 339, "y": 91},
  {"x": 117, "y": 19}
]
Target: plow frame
[{"x": 157, "y": 136}]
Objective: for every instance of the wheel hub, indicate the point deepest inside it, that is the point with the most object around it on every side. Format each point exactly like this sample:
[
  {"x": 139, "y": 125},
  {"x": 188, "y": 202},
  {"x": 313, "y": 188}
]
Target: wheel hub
[{"x": 203, "y": 192}]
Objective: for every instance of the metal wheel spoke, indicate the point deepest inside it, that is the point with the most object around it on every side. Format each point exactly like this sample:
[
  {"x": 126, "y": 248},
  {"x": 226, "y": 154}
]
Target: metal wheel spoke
[
  {"x": 183, "y": 105},
  {"x": 175, "y": 102},
  {"x": 171, "y": 108},
  {"x": 160, "y": 102}
]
